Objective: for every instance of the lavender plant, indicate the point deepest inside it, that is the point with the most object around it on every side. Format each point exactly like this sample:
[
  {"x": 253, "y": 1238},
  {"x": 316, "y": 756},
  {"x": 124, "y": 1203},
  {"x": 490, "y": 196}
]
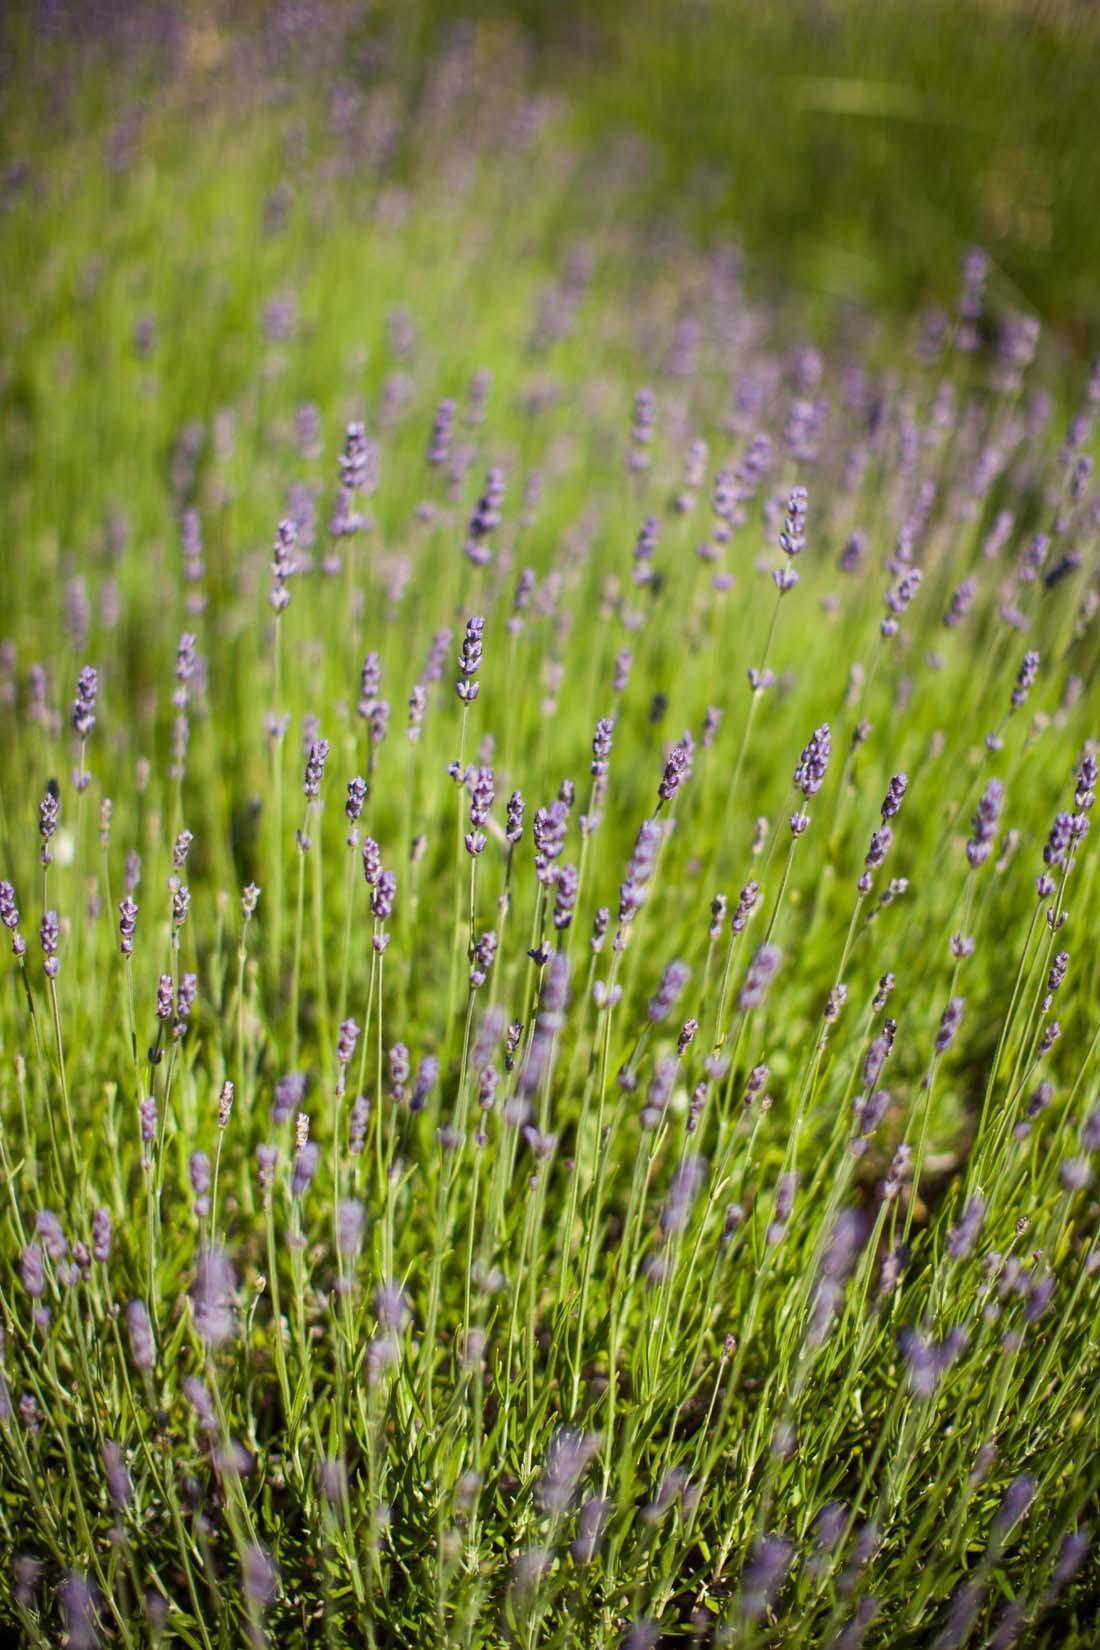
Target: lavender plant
[{"x": 627, "y": 1176}]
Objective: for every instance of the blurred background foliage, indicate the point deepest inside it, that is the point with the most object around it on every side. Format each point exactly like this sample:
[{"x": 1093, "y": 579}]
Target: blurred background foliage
[{"x": 853, "y": 145}]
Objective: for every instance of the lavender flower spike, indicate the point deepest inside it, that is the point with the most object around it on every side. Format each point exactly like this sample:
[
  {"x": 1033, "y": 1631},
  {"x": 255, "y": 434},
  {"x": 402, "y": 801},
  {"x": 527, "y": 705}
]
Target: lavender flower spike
[
  {"x": 949, "y": 1024},
  {"x": 87, "y": 686},
  {"x": 469, "y": 660},
  {"x": 813, "y": 764},
  {"x": 349, "y": 1037},
  {"x": 761, "y": 972},
  {"x": 984, "y": 827}
]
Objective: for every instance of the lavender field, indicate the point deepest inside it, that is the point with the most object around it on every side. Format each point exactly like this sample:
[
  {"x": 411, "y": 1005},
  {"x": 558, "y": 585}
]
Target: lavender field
[{"x": 550, "y": 1005}]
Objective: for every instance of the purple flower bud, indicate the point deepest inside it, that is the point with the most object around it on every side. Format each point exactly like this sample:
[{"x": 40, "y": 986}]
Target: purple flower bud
[
  {"x": 306, "y": 1162},
  {"x": 350, "y": 1225},
  {"x": 673, "y": 981},
  {"x": 1085, "y": 789},
  {"x": 9, "y": 916},
  {"x": 199, "y": 1170},
  {"x": 961, "y": 1239},
  {"x": 426, "y": 1078},
  {"x": 141, "y": 1335},
  {"x": 984, "y": 827},
  {"x": 33, "y": 1271},
  {"x": 1075, "y": 1173},
  {"x": 677, "y": 768},
  {"x": 591, "y": 1520},
  {"x": 383, "y": 895},
  {"x": 201, "y": 1402},
  {"x": 641, "y": 431},
  {"x": 898, "y": 600},
  {"x": 764, "y": 1574},
  {"x": 879, "y": 847},
  {"x": 601, "y": 747},
  {"x": 315, "y": 766},
  {"x": 1017, "y": 1499},
  {"x": 548, "y": 831},
  {"x": 87, "y": 686},
  {"x": 391, "y": 1307},
  {"x": 225, "y": 1104},
  {"x": 565, "y": 896},
  {"x": 147, "y": 1118},
  {"x": 870, "y": 1109},
  {"x": 289, "y": 1094},
  {"x": 212, "y": 1297},
  {"x": 282, "y": 565},
  {"x": 181, "y": 904},
  {"x": 950, "y": 1022},
  {"x": 481, "y": 961},
  {"x": 566, "y": 1464},
  {"x": 469, "y": 660},
  {"x": 485, "y": 519},
  {"x": 357, "y": 795},
  {"x": 961, "y": 603},
  {"x": 49, "y": 812},
  {"x": 897, "y": 1172},
  {"x": 1025, "y": 679},
  {"x": 1072, "y": 1554},
  {"x": 119, "y": 1485},
  {"x": 50, "y": 935},
  {"x": 758, "y": 978},
  {"x": 261, "y": 1578},
  {"x": 372, "y": 861},
  {"x": 48, "y": 1228},
  {"x": 102, "y": 1233},
  {"x": 928, "y": 1359},
  {"x": 882, "y": 994},
  {"x": 267, "y": 1157},
  {"x": 127, "y": 926},
  {"x": 809, "y": 775},
  {"x": 1057, "y": 972},
  {"x": 346, "y": 1043},
  {"x": 746, "y": 901},
  {"x": 79, "y": 1613},
  {"x": 895, "y": 794}
]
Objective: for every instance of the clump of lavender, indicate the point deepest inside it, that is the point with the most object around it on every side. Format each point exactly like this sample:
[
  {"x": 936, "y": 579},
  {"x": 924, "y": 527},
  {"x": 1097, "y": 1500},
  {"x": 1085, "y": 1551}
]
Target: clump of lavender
[{"x": 562, "y": 1292}]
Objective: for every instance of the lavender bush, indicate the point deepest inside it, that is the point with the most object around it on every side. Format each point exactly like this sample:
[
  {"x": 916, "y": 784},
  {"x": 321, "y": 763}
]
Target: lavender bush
[{"x": 548, "y": 1057}]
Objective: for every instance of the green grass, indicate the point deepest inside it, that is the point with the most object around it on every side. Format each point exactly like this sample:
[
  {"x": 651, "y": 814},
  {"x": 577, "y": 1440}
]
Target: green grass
[{"x": 663, "y": 1363}]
